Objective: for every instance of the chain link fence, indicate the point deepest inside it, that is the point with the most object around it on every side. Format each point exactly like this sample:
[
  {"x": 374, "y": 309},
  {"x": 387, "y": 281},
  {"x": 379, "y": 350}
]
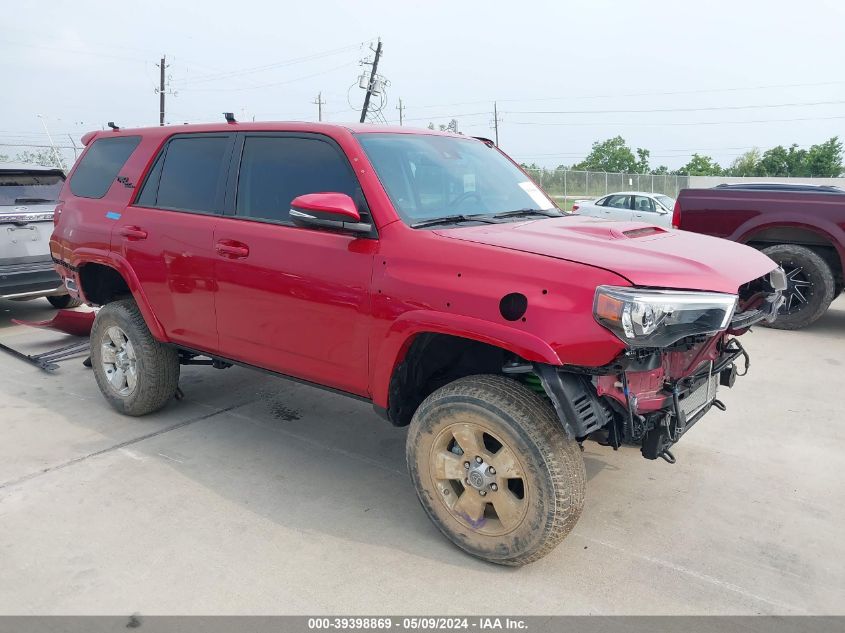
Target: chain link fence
[{"x": 567, "y": 184}]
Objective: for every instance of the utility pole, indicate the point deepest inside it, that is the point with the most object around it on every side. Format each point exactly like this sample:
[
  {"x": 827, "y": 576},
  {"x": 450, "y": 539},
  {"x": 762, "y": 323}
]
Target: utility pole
[
  {"x": 56, "y": 156},
  {"x": 319, "y": 103},
  {"x": 401, "y": 109},
  {"x": 371, "y": 82},
  {"x": 496, "y": 122},
  {"x": 161, "y": 66}
]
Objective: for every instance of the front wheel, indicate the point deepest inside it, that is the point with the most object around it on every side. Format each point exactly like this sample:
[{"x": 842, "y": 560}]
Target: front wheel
[
  {"x": 810, "y": 286},
  {"x": 136, "y": 373},
  {"x": 494, "y": 470}
]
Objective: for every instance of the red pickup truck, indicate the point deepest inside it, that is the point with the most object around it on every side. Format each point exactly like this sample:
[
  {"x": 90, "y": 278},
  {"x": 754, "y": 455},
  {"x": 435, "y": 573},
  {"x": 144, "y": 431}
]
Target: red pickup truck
[
  {"x": 421, "y": 272},
  {"x": 801, "y": 227}
]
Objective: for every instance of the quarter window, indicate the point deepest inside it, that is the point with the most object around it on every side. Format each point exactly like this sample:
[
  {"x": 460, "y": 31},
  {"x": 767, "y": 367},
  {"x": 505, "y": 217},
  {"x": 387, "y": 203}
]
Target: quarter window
[
  {"x": 275, "y": 170},
  {"x": 100, "y": 165}
]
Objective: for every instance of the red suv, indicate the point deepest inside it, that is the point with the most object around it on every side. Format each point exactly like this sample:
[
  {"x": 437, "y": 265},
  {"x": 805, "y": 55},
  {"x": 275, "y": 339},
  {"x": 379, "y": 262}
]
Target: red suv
[{"x": 420, "y": 271}]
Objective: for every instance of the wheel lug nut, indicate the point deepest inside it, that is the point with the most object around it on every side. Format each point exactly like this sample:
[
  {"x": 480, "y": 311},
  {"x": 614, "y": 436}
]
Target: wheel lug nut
[
  {"x": 494, "y": 487},
  {"x": 478, "y": 459},
  {"x": 466, "y": 465},
  {"x": 482, "y": 493},
  {"x": 491, "y": 470}
]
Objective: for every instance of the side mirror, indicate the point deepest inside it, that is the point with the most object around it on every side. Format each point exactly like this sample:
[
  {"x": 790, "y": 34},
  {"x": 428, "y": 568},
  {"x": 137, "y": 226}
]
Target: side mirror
[{"x": 333, "y": 211}]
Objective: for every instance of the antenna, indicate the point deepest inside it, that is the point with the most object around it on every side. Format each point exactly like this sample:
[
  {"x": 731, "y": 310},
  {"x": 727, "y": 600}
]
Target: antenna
[
  {"x": 230, "y": 117},
  {"x": 113, "y": 126}
]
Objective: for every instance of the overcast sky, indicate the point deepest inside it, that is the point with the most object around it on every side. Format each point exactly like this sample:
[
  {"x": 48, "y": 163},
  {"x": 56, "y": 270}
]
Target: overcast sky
[{"x": 727, "y": 75}]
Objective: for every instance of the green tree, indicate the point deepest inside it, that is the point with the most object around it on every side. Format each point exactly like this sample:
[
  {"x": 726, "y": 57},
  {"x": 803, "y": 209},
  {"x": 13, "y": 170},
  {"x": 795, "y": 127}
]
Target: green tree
[
  {"x": 45, "y": 157},
  {"x": 825, "y": 160},
  {"x": 746, "y": 164},
  {"x": 612, "y": 155},
  {"x": 642, "y": 161},
  {"x": 661, "y": 170},
  {"x": 700, "y": 166}
]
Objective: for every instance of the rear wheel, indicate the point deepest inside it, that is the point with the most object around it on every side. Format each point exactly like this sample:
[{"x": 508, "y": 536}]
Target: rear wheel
[
  {"x": 494, "y": 470},
  {"x": 64, "y": 301},
  {"x": 810, "y": 286},
  {"x": 136, "y": 373}
]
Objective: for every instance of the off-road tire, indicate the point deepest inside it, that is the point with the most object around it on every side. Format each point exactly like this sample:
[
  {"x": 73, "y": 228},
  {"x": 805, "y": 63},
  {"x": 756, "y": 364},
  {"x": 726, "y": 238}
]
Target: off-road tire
[
  {"x": 817, "y": 271},
  {"x": 64, "y": 301},
  {"x": 527, "y": 425},
  {"x": 156, "y": 364}
]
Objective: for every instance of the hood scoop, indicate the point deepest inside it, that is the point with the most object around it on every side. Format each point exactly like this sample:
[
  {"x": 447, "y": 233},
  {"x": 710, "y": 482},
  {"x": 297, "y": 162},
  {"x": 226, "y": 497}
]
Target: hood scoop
[{"x": 646, "y": 231}]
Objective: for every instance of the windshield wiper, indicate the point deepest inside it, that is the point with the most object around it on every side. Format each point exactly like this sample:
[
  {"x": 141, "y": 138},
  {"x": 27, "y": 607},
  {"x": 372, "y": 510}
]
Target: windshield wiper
[
  {"x": 451, "y": 219},
  {"x": 31, "y": 200},
  {"x": 549, "y": 213}
]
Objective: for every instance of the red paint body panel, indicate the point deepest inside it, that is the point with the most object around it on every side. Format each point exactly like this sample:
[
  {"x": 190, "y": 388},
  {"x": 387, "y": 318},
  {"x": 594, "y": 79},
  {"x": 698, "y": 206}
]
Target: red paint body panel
[
  {"x": 669, "y": 259},
  {"x": 341, "y": 310},
  {"x": 298, "y": 304},
  {"x": 739, "y": 215}
]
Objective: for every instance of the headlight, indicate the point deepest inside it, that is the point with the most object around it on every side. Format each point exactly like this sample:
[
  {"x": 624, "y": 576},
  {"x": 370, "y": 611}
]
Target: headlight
[{"x": 657, "y": 318}]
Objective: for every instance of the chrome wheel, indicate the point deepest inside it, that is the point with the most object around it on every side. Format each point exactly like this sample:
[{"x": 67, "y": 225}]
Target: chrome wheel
[
  {"x": 799, "y": 288},
  {"x": 117, "y": 358},
  {"x": 480, "y": 479}
]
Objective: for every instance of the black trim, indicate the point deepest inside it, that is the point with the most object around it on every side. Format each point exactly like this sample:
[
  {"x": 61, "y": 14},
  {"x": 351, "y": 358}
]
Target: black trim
[
  {"x": 303, "y": 381},
  {"x": 153, "y": 175}
]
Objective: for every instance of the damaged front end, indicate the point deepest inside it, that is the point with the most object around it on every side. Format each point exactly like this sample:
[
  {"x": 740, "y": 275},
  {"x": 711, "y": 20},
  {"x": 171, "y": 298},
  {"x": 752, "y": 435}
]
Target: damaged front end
[{"x": 681, "y": 348}]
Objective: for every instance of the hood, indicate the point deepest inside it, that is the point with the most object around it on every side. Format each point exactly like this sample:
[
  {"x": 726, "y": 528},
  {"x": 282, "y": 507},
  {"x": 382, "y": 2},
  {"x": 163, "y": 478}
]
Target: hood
[{"x": 644, "y": 254}]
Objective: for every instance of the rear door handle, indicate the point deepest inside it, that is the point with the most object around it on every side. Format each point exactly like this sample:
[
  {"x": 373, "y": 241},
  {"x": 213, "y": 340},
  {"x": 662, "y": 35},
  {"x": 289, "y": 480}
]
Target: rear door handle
[
  {"x": 232, "y": 249},
  {"x": 132, "y": 232}
]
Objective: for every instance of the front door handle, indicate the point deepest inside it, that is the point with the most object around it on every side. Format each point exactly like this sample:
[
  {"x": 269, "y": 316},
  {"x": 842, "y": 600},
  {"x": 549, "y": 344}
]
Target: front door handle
[
  {"x": 132, "y": 232},
  {"x": 232, "y": 249}
]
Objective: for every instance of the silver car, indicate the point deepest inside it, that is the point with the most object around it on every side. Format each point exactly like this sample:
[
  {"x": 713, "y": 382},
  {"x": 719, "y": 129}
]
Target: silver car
[
  {"x": 654, "y": 208},
  {"x": 28, "y": 195}
]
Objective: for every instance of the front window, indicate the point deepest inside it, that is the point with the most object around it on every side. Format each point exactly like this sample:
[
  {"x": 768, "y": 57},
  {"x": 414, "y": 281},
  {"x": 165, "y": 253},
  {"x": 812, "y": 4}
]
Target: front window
[
  {"x": 29, "y": 188},
  {"x": 430, "y": 176},
  {"x": 667, "y": 202}
]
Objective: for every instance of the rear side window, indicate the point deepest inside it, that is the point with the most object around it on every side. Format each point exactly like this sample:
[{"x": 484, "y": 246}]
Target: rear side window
[
  {"x": 100, "y": 165},
  {"x": 275, "y": 170},
  {"x": 191, "y": 175}
]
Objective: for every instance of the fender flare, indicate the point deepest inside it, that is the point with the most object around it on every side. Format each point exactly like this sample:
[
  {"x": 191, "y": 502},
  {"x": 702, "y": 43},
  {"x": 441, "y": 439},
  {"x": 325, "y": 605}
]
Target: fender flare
[
  {"x": 402, "y": 332},
  {"x": 747, "y": 234},
  {"x": 124, "y": 269}
]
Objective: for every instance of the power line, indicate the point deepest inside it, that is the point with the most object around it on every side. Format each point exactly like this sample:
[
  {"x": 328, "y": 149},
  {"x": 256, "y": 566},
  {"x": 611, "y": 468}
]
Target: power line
[
  {"x": 638, "y": 94},
  {"x": 618, "y": 124},
  {"x": 701, "y": 109},
  {"x": 275, "y": 83},
  {"x": 280, "y": 64}
]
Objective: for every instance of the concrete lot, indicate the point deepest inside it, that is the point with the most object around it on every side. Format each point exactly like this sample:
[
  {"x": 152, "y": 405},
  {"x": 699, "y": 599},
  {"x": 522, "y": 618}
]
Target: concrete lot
[{"x": 256, "y": 495}]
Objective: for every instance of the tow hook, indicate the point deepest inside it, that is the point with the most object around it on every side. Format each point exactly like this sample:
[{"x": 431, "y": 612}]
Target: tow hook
[{"x": 668, "y": 456}]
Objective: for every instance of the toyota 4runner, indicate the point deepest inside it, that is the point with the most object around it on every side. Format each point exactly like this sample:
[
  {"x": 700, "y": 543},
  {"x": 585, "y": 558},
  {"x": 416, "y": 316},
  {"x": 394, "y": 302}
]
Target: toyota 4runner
[{"x": 422, "y": 272}]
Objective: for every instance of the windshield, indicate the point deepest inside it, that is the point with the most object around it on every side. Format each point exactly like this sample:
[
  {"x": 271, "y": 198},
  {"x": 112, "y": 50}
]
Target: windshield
[
  {"x": 430, "y": 176},
  {"x": 666, "y": 201},
  {"x": 29, "y": 188}
]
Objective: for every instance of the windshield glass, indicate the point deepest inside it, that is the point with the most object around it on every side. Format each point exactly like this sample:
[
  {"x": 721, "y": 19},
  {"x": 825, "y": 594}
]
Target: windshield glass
[
  {"x": 666, "y": 201},
  {"x": 29, "y": 188},
  {"x": 430, "y": 176}
]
